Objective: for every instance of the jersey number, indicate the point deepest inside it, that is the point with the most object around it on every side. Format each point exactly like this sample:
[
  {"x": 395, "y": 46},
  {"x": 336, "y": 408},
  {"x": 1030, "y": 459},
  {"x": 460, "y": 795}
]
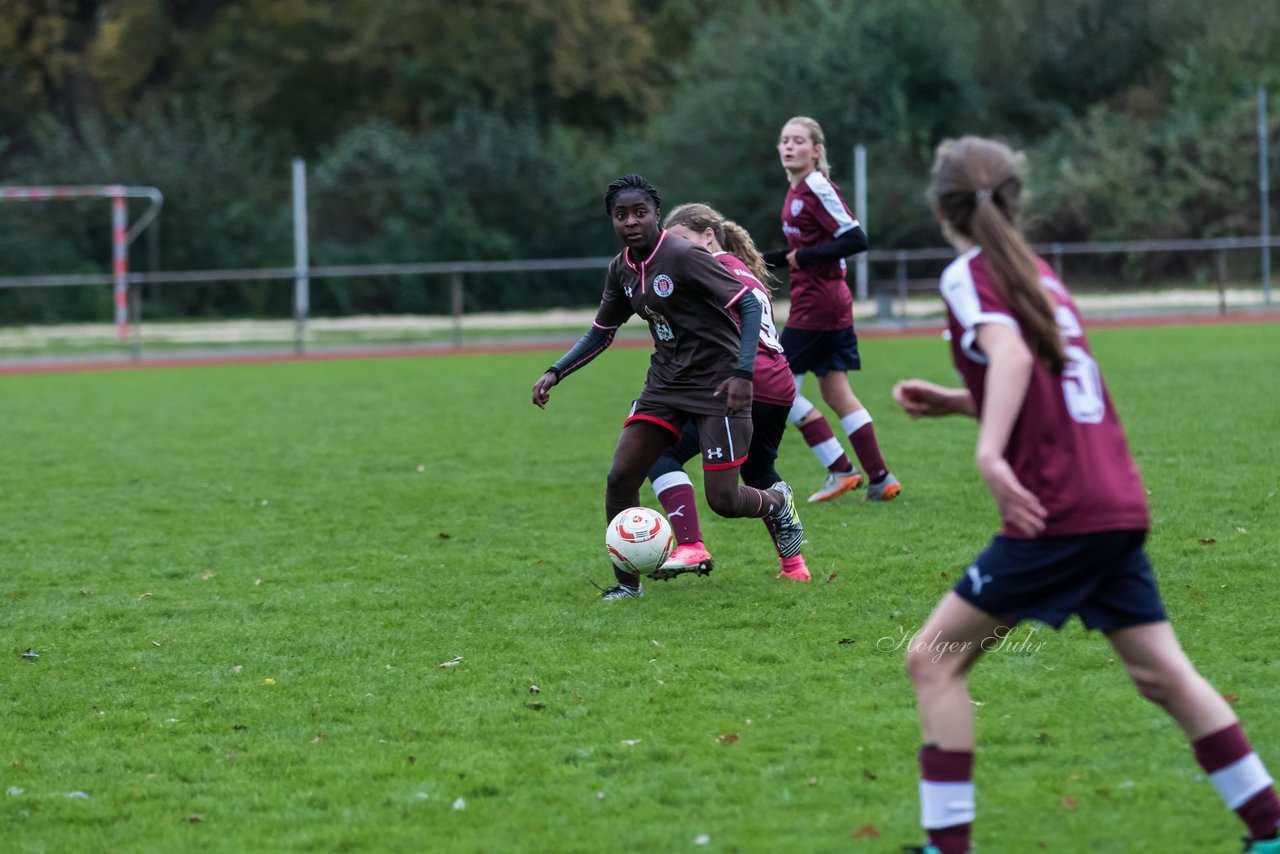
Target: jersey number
[{"x": 1082, "y": 387}]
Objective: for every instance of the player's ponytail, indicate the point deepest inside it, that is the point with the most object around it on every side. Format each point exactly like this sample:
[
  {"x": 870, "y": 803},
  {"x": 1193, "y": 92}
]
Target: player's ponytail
[
  {"x": 732, "y": 237},
  {"x": 977, "y": 189},
  {"x": 738, "y": 242}
]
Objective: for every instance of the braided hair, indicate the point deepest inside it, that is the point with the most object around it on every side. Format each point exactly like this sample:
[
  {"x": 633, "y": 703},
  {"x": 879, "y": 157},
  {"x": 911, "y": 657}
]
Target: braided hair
[{"x": 631, "y": 182}]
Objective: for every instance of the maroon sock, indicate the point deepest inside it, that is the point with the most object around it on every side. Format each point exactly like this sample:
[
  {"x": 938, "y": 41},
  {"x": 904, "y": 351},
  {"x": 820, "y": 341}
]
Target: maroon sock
[
  {"x": 1246, "y": 787},
  {"x": 818, "y": 431},
  {"x": 682, "y": 512},
  {"x": 868, "y": 450},
  {"x": 947, "y": 766}
]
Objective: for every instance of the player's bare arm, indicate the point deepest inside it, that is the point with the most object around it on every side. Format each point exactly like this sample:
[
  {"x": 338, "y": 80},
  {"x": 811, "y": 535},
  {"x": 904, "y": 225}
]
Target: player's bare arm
[{"x": 1008, "y": 375}]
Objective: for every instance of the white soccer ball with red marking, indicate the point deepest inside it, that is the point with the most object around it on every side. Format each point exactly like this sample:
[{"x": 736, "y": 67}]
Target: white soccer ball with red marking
[{"x": 639, "y": 540}]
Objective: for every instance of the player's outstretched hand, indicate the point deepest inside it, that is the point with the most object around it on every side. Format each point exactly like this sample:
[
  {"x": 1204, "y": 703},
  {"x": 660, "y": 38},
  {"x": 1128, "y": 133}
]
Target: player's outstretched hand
[
  {"x": 542, "y": 389},
  {"x": 1019, "y": 506},
  {"x": 736, "y": 392},
  {"x": 923, "y": 399}
]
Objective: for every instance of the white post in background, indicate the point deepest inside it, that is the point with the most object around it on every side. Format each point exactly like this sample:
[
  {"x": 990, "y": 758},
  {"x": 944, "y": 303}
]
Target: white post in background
[
  {"x": 1264, "y": 186},
  {"x": 860, "y": 211},
  {"x": 301, "y": 281}
]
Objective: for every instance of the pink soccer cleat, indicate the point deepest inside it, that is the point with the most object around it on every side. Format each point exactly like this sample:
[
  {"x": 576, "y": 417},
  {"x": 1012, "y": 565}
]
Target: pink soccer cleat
[
  {"x": 794, "y": 569},
  {"x": 687, "y": 557}
]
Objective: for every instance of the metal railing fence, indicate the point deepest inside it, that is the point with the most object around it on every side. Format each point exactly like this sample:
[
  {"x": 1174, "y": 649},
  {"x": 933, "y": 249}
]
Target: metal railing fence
[{"x": 897, "y": 285}]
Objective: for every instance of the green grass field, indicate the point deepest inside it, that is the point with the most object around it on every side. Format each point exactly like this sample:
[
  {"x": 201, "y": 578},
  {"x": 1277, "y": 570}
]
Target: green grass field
[{"x": 241, "y": 583}]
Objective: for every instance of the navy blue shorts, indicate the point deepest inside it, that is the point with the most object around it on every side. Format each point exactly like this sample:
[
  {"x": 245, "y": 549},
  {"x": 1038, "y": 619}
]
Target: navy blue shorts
[
  {"x": 812, "y": 352},
  {"x": 1104, "y": 577}
]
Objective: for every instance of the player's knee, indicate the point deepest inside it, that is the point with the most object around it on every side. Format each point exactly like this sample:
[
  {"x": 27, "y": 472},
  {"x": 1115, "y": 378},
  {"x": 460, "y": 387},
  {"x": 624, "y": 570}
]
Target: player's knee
[
  {"x": 938, "y": 662},
  {"x": 621, "y": 480},
  {"x": 1162, "y": 685},
  {"x": 923, "y": 667},
  {"x": 723, "y": 501},
  {"x": 801, "y": 409}
]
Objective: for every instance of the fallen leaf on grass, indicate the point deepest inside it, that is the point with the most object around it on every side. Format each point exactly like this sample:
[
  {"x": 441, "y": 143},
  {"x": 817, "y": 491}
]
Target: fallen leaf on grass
[
  {"x": 943, "y": 574},
  {"x": 832, "y": 577},
  {"x": 319, "y": 738},
  {"x": 206, "y": 576},
  {"x": 1069, "y": 803},
  {"x": 728, "y": 737},
  {"x": 867, "y": 831},
  {"x": 1230, "y": 698},
  {"x": 445, "y": 536},
  {"x": 1207, "y": 541},
  {"x": 268, "y": 681},
  {"x": 453, "y": 662}
]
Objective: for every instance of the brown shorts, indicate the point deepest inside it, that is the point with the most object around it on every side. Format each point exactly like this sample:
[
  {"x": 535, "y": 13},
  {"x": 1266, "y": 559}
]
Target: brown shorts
[{"x": 724, "y": 438}]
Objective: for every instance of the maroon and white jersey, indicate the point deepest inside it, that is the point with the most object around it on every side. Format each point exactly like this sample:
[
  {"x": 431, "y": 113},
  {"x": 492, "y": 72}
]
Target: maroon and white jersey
[
  {"x": 1067, "y": 445},
  {"x": 687, "y": 298},
  {"x": 813, "y": 214},
  {"x": 773, "y": 381}
]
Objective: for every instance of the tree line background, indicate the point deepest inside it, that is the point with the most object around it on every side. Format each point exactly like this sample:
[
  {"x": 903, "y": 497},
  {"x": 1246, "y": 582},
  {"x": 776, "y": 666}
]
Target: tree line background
[{"x": 488, "y": 129}]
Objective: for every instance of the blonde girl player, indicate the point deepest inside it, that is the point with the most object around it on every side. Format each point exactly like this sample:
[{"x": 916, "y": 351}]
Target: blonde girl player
[
  {"x": 818, "y": 337},
  {"x": 772, "y": 390},
  {"x": 704, "y": 346},
  {"x": 1070, "y": 544}
]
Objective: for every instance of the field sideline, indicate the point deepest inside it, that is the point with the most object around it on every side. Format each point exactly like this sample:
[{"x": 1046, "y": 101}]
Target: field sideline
[
  {"x": 868, "y": 331},
  {"x": 306, "y": 605}
]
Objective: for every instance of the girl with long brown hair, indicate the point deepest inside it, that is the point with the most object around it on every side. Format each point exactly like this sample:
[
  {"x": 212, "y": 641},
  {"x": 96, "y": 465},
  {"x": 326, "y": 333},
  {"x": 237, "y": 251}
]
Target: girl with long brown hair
[{"x": 1054, "y": 456}]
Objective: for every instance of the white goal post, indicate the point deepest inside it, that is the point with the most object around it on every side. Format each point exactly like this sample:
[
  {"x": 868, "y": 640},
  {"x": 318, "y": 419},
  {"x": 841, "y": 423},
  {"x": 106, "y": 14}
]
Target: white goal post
[{"x": 121, "y": 234}]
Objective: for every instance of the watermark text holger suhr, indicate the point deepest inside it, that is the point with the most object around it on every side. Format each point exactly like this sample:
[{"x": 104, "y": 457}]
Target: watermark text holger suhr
[{"x": 1003, "y": 639}]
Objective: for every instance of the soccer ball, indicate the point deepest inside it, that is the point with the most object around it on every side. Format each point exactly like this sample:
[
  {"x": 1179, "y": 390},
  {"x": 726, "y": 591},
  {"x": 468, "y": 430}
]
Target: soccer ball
[{"x": 639, "y": 540}]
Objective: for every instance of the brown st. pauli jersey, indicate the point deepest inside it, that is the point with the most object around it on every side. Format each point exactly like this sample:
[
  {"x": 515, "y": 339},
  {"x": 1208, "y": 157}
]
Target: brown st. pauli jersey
[{"x": 685, "y": 294}]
